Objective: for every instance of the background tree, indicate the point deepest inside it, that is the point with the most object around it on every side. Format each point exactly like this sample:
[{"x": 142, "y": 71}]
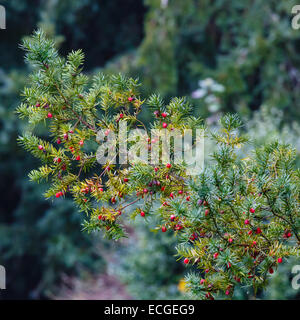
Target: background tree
[{"x": 248, "y": 47}]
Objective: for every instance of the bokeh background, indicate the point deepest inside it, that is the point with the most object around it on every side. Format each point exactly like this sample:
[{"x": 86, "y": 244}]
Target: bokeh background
[{"x": 236, "y": 56}]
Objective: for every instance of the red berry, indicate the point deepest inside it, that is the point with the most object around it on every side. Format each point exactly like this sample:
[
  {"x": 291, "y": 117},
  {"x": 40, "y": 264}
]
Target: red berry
[
  {"x": 145, "y": 190},
  {"x": 130, "y": 99},
  {"x": 163, "y": 229},
  {"x": 41, "y": 147},
  {"x": 125, "y": 179},
  {"x": 202, "y": 281},
  {"x": 252, "y": 210},
  {"x": 78, "y": 158},
  {"x": 172, "y": 195},
  {"x": 230, "y": 240},
  {"x": 287, "y": 235},
  {"x": 188, "y": 198},
  {"x": 165, "y": 125},
  {"x": 227, "y": 292},
  {"x": 49, "y": 115},
  {"x": 121, "y": 115},
  {"x": 250, "y": 232},
  {"x": 58, "y": 194},
  {"x": 271, "y": 270},
  {"x": 186, "y": 261},
  {"x": 228, "y": 265},
  {"x": 163, "y": 188},
  {"x": 206, "y": 270},
  {"x": 178, "y": 227},
  {"x": 156, "y": 113},
  {"x": 192, "y": 237},
  {"x": 206, "y": 212},
  {"x": 100, "y": 217},
  {"x": 85, "y": 190},
  {"x": 207, "y": 295},
  {"x": 113, "y": 200},
  {"x": 254, "y": 243},
  {"x": 258, "y": 231},
  {"x": 66, "y": 137},
  {"x": 58, "y": 141},
  {"x": 247, "y": 221},
  {"x": 155, "y": 169},
  {"x": 168, "y": 165},
  {"x": 180, "y": 192},
  {"x": 81, "y": 142},
  {"x": 172, "y": 217},
  {"x": 164, "y": 115},
  {"x": 38, "y": 105},
  {"x": 71, "y": 131},
  {"x": 279, "y": 260},
  {"x": 142, "y": 213},
  {"x": 216, "y": 255}
]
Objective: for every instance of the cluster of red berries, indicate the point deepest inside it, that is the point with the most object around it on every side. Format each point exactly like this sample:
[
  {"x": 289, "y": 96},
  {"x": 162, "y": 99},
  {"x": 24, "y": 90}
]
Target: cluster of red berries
[
  {"x": 287, "y": 234},
  {"x": 46, "y": 106},
  {"x": 59, "y": 194},
  {"x": 194, "y": 236},
  {"x": 178, "y": 226},
  {"x": 154, "y": 186},
  {"x": 163, "y": 115},
  {"x": 59, "y": 159}
]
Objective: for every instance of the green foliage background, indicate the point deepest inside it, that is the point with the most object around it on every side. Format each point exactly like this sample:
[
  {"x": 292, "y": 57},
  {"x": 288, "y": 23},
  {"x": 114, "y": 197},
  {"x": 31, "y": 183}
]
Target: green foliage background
[{"x": 249, "y": 47}]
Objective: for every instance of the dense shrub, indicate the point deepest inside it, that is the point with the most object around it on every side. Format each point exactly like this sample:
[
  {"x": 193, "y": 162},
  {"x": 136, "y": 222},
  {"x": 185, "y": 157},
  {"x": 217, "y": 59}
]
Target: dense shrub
[{"x": 236, "y": 221}]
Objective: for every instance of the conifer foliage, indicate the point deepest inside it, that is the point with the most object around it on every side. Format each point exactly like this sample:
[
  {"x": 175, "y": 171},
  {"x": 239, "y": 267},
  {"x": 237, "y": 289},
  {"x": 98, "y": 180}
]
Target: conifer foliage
[{"x": 234, "y": 222}]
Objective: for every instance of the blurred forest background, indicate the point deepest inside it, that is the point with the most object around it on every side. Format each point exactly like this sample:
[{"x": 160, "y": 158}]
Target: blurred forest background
[{"x": 223, "y": 55}]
